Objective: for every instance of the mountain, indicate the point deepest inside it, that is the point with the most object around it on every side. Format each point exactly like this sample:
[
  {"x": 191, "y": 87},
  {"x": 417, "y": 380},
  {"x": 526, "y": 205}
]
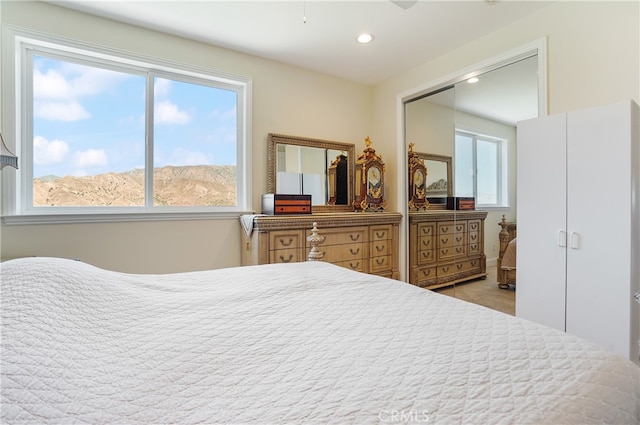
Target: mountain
[{"x": 198, "y": 185}]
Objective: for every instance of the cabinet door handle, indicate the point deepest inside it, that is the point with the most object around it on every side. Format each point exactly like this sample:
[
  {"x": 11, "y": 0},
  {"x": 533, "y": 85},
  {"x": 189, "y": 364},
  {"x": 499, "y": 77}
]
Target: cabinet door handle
[
  {"x": 286, "y": 243},
  {"x": 562, "y": 239},
  {"x": 287, "y": 260},
  {"x": 575, "y": 240}
]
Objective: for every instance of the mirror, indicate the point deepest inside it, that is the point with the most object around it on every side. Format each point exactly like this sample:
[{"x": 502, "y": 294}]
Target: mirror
[
  {"x": 439, "y": 179},
  {"x": 321, "y": 168},
  {"x": 507, "y": 93}
]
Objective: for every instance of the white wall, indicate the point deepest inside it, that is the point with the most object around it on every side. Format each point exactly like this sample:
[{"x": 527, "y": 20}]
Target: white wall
[{"x": 286, "y": 100}]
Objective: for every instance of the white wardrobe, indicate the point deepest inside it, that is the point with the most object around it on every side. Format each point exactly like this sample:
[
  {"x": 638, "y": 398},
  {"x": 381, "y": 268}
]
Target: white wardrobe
[{"x": 579, "y": 224}]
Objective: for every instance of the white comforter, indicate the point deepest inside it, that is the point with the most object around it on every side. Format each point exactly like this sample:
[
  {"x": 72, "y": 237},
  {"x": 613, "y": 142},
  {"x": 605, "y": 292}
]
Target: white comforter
[{"x": 287, "y": 344}]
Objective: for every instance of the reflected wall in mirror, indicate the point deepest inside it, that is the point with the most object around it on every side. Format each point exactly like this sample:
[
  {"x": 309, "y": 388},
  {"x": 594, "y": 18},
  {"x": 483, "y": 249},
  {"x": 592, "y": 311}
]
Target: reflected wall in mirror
[{"x": 320, "y": 168}]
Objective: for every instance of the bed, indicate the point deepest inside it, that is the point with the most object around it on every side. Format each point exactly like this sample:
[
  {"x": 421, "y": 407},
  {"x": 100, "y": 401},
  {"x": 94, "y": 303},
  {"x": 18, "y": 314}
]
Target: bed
[
  {"x": 506, "y": 263},
  {"x": 291, "y": 343}
]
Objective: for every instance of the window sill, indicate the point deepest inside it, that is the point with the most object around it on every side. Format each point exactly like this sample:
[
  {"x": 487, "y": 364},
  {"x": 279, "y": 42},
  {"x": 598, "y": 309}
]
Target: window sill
[{"x": 24, "y": 220}]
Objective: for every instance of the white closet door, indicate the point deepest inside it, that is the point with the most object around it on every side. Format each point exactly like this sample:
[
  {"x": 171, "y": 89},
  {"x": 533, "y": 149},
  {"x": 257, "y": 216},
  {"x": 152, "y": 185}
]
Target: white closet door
[
  {"x": 541, "y": 217},
  {"x": 599, "y": 213}
]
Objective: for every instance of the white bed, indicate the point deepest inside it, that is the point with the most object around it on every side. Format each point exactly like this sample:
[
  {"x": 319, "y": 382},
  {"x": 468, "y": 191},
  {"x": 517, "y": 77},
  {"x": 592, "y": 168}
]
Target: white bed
[{"x": 287, "y": 344}]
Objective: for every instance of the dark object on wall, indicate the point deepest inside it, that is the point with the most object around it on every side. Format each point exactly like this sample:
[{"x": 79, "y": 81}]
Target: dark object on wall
[{"x": 276, "y": 204}]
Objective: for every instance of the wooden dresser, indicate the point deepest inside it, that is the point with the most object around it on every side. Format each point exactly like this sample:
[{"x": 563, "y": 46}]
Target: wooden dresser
[
  {"x": 366, "y": 242},
  {"x": 446, "y": 247}
]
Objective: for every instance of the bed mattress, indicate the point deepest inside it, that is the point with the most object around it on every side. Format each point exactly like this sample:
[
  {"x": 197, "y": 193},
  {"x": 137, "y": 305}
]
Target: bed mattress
[{"x": 286, "y": 343}]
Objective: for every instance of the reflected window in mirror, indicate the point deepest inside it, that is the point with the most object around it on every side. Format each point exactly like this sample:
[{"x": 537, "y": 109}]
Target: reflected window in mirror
[{"x": 481, "y": 169}]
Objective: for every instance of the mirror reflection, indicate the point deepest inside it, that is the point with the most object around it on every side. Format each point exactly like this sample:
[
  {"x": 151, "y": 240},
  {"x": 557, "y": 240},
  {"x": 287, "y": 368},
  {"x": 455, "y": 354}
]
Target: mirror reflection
[
  {"x": 320, "y": 168},
  {"x": 474, "y": 124}
]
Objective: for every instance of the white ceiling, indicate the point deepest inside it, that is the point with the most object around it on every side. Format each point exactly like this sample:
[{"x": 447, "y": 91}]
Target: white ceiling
[{"x": 404, "y": 38}]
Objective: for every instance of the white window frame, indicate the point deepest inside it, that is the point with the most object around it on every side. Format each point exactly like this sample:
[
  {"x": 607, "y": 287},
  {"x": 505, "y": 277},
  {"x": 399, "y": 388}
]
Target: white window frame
[
  {"x": 17, "y": 199},
  {"x": 502, "y": 177}
]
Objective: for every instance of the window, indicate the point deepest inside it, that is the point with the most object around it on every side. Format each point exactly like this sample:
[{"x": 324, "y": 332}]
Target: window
[
  {"x": 105, "y": 133},
  {"x": 480, "y": 169}
]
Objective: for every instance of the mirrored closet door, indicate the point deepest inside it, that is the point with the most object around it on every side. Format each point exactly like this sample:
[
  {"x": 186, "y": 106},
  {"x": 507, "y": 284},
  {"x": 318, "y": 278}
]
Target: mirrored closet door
[{"x": 456, "y": 244}]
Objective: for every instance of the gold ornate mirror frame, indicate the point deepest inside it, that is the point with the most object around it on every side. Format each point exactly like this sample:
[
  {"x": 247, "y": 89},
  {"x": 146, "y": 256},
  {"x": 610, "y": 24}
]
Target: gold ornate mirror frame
[{"x": 280, "y": 139}]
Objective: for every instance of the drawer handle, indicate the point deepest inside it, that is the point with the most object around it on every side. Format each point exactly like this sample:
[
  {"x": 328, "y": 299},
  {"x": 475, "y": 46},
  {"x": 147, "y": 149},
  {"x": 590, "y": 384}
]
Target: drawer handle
[
  {"x": 381, "y": 261},
  {"x": 426, "y": 230},
  {"x": 459, "y": 250},
  {"x": 426, "y": 254},
  {"x": 426, "y": 243},
  {"x": 459, "y": 266},
  {"x": 474, "y": 226},
  {"x": 354, "y": 267},
  {"x": 473, "y": 246},
  {"x": 445, "y": 229},
  {"x": 287, "y": 260},
  {"x": 459, "y": 228},
  {"x": 426, "y": 273},
  {"x": 458, "y": 238},
  {"x": 354, "y": 253},
  {"x": 444, "y": 251},
  {"x": 474, "y": 237},
  {"x": 445, "y": 240},
  {"x": 381, "y": 248},
  {"x": 474, "y": 263},
  {"x": 355, "y": 237},
  {"x": 445, "y": 269},
  {"x": 380, "y": 235},
  {"x": 286, "y": 243}
]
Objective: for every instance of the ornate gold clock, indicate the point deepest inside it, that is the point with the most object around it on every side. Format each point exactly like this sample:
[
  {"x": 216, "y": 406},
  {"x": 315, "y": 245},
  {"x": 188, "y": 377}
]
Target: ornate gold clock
[
  {"x": 417, "y": 182},
  {"x": 369, "y": 172}
]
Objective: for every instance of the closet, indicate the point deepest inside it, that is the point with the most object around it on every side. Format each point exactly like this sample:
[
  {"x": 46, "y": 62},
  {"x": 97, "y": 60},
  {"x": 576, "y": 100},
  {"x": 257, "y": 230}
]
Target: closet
[{"x": 579, "y": 224}]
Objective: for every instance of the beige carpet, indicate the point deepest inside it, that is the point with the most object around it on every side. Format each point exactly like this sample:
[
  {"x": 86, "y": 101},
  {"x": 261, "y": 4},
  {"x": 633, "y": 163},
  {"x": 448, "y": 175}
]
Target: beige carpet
[{"x": 484, "y": 292}]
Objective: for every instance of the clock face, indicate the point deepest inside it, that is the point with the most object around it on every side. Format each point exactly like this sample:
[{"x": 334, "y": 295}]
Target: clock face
[
  {"x": 373, "y": 176},
  {"x": 418, "y": 178}
]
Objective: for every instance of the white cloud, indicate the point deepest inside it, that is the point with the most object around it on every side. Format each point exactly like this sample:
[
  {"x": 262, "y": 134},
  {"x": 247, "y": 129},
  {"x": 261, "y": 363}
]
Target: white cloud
[
  {"x": 49, "y": 152},
  {"x": 60, "y": 111},
  {"x": 169, "y": 113},
  {"x": 90, "y": 158},
  {"x": 161, "y": 87},
  {"x": 51, "y": 85}
]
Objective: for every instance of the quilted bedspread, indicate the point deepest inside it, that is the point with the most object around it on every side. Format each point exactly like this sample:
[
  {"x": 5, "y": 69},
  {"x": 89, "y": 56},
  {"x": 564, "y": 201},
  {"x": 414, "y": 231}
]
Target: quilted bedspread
[{"x": 285, "y": 344}]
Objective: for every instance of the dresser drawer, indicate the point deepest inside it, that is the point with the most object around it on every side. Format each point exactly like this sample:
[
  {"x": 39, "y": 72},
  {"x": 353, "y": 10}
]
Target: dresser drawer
[
  {"x": 286, "y": 239},
  {"x": 425, "y": 276},
  {"x": 452, "y": 240},
  {"x": 379, "y": 264},
  {"x": 451, "y": 253},
  {"x": 459, "y": 269},
  {"x": 343, "y": 235},
  {"x": 379, "y": 248},
  {"x": 293, "y": 255},
  {"x": 347, "y": 252},
  {"x": 451, "y": 227},
  {"x": 426, "y": 256},
  {"x": 357, "y": 264},
  {"x": 380, "y": 233}
]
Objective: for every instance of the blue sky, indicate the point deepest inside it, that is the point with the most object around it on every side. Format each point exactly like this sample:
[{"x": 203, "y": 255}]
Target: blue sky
[{"x": 90, "y": 121}]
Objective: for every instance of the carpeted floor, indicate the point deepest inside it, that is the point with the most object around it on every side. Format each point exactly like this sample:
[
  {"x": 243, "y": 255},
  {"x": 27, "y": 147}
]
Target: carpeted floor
[{"x": 484, "y": 292}]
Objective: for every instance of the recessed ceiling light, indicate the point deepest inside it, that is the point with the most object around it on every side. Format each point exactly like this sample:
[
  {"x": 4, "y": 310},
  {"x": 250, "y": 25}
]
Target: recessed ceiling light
[
  {"x": 365, "y": 38},
  {"x": 473, "y": 80}
]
